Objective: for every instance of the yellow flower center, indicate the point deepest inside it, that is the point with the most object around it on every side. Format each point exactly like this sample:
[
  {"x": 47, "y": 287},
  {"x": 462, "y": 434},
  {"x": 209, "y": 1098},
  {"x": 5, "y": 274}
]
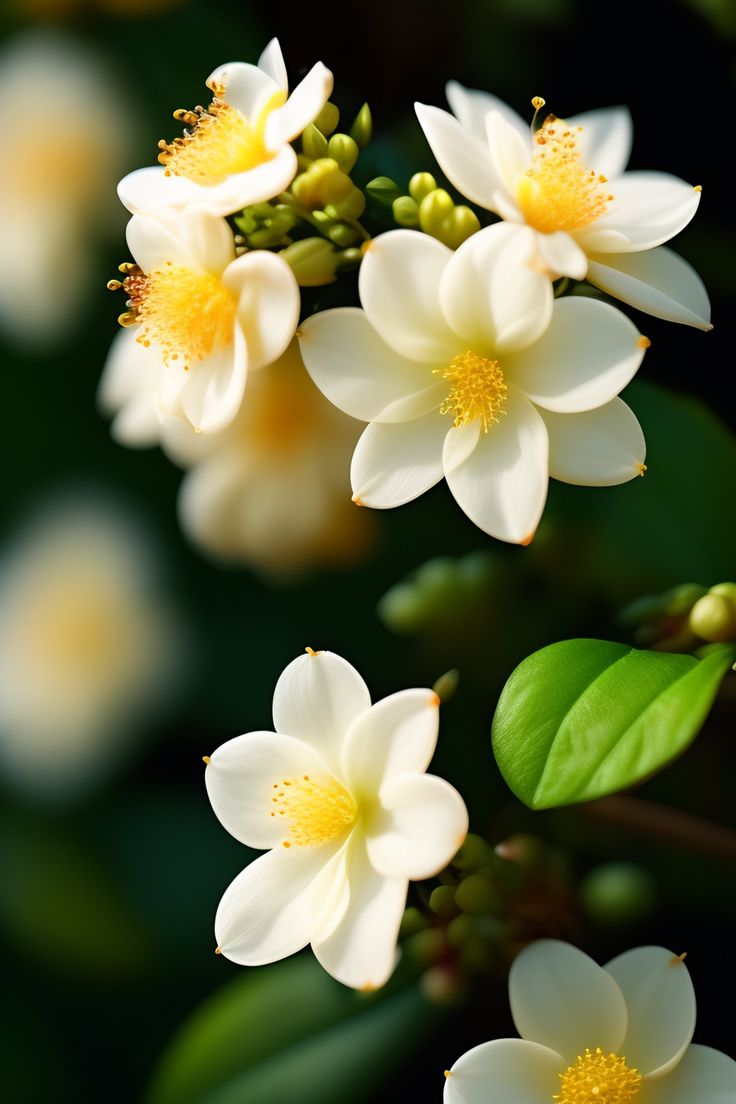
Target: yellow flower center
[
  {"x": 557, "y": 192},
  {"x": 218, "y": 141},
  {"x": 598, "y": 1078},
  {"x": 478, "y": 390},
  {"x": 188, "y": 314},
  {"x": 315, "y": 813}
]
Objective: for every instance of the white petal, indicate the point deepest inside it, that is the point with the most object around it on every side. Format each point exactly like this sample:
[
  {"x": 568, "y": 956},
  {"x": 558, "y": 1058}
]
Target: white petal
[
  {"x": 587, "y": 355},
  {"x": 660, "y": 1001},
  {"x": 316, "y": 699},
  {"x": 271, "y": 62},
  {"x": 398, "y": 282},
  {"x": 128, "y": 390},
  {"x": 459, "y": 443},
  {"x": 302, "y": 107},
  {"x": 562, "y": 999},
  {"x": 418, "y": 828},
  {"x": 194, "y": 239},
  {"x": 515, "y": 1071},
  {"x": 145, "y": 190},
  {"x": 511, "y": 155},
  {"x": 704, "y": 1075},
  {"x": 502, "y": 486},
  {"x": 648, "y": 209},
  {"x": 256, "y": 185},
  {"x": 657, "y": 281},
  {"x": 244, "y": 84},
  {"x": 361, "y": 950},
  {"x": 268, "y": 304},
  {"x": 272, "y": 908},
  {"x": 562, "y": 255},
  {"x": 241, "y": 776},
  {"x": 394, "y": 463},
  {"x": 471, "y": 106},
  {"x": 596, "y": 448},
  {"x": 491, "y": 292},
  {"x": 394, "y": 737},
  {"x": 462, "y": 156},
  {"x": 358, "y": 371},
  {"x": 213, "y": 389},
  {"x": 605, "y": 141}
]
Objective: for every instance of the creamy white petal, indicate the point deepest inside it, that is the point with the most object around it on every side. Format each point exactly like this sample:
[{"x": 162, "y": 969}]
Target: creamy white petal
[
  {"x": 660, "y": 1001},
  {"x": 605, "y": 140},
  {"x": 361, "y": 950},
  {"x": 704, "y": 1075},
  {"x": 128, "y": 390},
  {"x": 213, "y": 389},
  {"x": 399, "y": 281},
  {"x": 657, "y": 281},
  {"x": 461, "y": 154},
  {"x": 510, "y": 154},
  {"x": 271, "y": 62},
  {"x": 471, "y": 106},
  {"x": 418, "y": 827},
  {"x": 268, "y": 304},
  {"x": 511, "y": 1071},
  {"x": 395, "y": 736},
  {"x": 561, "y": 254},
  {"x": 596, "y": 448},
  {"x": 648, "y": 209},
  {"x": 562, "y": 999},
  {"x": 146, "y": 190},
  {"x": 270, "y": 910},
  {"x": 459, "y": 443},
  {"x": 316, "y": 699},
  {"x": 587, "y": 355},
  {"x": 241, "y": 777},
  {"x": 355, "y": 368},
  {"x": 394, "y": 463},
  {"x": 244, "y": 84},
  {"x": 256, "y": 185},
  {"x": 491, "y": 292},
  {"x": 302, "y": 107},
  {"x": 195, "y": 240},
  {"x": 502, "y": 486}
]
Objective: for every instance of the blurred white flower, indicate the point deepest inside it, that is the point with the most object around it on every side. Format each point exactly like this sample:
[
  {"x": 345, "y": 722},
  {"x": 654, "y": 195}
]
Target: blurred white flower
[
  {"x": 87, "y": 644},
  {"x": 465, "y": 367},
  {"x": 200, "y": 320},
  {"x": 340, "y": 794},
  {"x": 618, "y": 1035},
  {"x": 65, "y": 142},
  {"x": 236, "y": 152},
  {"x": 567, "y": 182}
]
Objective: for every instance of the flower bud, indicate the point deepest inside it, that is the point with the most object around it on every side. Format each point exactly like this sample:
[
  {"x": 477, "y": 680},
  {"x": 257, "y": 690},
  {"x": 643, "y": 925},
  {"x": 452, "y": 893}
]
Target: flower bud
[
  {"x": 442, "y": 901},
  {"x": 314, "y": 143},
  {"x": 313, "y": 261},
  {"x": 477, "y": 894},
  {"x": 459, "y": 226},
  {"x": 618, "y": 893},
  {"x": 713, "y": 617},
  {"x": 461, "y": 929},
  {"x": 401, "y": 609},
  {"x": 473, "y": 854},
  {"x": 383, "y": 190},
  {"x": 426, "y": 946},
  {"x": 405, "y": 211},
  {"x": 343, "y": 235},
  {"x": 343, "y": 149},
  {"x": 362, "y": 129},
  {"x": 351, "y": 207},
  {"x": 433, "y": 210},
  {"x": 726, "y": 590},
  {"x": 421, "y": 184},
  {"x": 412, "y": 921},
  {"x": 446, "y": 685},
  {"x": 328, "y": 119}
]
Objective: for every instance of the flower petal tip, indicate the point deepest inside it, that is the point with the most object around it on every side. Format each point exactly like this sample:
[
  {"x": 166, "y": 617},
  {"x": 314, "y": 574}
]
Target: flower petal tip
[
  {"x": 527, "y": 540},
  {"x": 218, "y": 950},
  {"x": 448, "y": 1073},
  {"x": 435, "y": 700},
  {"x": 206, "y": 760},
  {"x": 358, "y": 500},
  {"x": 643, "y": 342},
  {"x": 677, "y": 960},
  {"x": 311, "y": 652},
  {"x": 640, "y": 468}
]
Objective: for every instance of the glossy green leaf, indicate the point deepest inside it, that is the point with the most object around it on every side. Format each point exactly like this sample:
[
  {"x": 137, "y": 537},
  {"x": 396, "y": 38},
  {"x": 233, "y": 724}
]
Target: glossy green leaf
[
  {"x": 289, "y": 1032},
  {"x": 584, "y": 718}
]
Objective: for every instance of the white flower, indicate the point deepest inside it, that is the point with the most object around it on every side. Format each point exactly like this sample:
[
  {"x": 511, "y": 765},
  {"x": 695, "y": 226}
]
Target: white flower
[
  {"x": 87, "y": 643},
  {"x": 466, "y": 367},
  {"x": 619, "y": 1034},
  {"x": 340, "y": 794},
  {"x": 236, "y": 152},
  {"x": 567, "y": 182},
  {"x": 64, "y": 145},
  {"x": 201, "y": 319}
]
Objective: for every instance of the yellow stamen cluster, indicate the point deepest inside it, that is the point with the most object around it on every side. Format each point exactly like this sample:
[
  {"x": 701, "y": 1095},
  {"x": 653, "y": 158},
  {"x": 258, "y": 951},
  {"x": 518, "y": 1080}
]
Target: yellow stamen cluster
[
  {"x": 316, "y": 813},
  {"x": 598, "y": 1078},
  {"x": 218, "y": 141},
  {"x": 557, "y": 192},
  {"x": 478, "y": 390}
]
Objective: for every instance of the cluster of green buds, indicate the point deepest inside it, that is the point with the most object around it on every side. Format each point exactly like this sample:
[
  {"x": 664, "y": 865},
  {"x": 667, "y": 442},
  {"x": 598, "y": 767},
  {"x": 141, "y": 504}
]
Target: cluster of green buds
[
  {"x": 444, "y": 590},
  {"x": 488, "y": 905},
  {"x": 426, "y": 207},
  {"x": 684, "y": 618}
]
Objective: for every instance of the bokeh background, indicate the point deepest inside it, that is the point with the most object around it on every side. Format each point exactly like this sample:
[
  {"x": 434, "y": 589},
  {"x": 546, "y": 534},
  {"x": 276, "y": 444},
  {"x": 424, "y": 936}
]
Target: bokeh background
[{"x": 111, "y": 862}]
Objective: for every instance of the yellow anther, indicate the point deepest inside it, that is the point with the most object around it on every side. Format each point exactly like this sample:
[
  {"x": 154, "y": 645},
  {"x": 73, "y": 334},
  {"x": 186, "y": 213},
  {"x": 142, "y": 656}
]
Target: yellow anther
[
  {"x": 311, "y": 651},
  {"x": 596, "y": 1076},
  {"x": 188, "y": 314},
  {"x": 678, "y": 959},
  {"x": 643, "y": 342},
  {"x": 478, "y": 390},
  {"x": 316, "y": 812},
  {"x": 206, "y": 759}
]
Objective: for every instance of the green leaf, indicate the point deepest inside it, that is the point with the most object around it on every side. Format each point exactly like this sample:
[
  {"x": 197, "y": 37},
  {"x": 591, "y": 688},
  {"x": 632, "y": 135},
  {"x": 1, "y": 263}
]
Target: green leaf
[
  {"x": 289, "y": 1032},
  {"x": 584, "y": 718}
]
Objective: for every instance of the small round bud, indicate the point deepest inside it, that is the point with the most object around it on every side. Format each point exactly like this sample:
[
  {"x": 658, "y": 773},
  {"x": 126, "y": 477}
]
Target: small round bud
[
  {"x": 433, "y": 210},
  {"x": 713, "y": 617},
  {"x": 343, "y": 235},
  {"x": 313, "y": 261},
  {"x": 343, "y": 149},
  {"x": 383, "y": 189},
  {"x": 421, "y": 184},
  {"x": 460, "y": 225},
  {"x": 461, "y": 929},
  {"x": 618, "y": 893},
  {"x": 681, "y": 599},
  {"x": 412, "y": 921},
  {"x": 401, "y": 609},
  {"x": 473, "y": 854},
  {"x": 442, "y": 901},
  {"x": 477, "y": 895},
  {"x": 328, "y": 119},
  {"x": 725, "y": 590},
  {"x": 351, "y": 207},
  {"x": 405, "y": 211},
  {"x": 426, "y": 947}
]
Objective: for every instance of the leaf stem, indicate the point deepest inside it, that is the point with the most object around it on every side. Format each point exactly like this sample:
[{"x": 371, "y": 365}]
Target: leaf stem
[{"x": 663, "y": 823}]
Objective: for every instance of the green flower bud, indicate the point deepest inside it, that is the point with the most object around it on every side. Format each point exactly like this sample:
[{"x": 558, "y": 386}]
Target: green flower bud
[
  {"x": 401, "y": 609},
  {"x": 726, "y": 590},
  {"x": 405, "y": 211},
  {"x": 442, "y": 901},
  {"x": 713, "y": 617},
  {"x": 474, "y": 854},
  {"x": 314, "y": 143},
  {"x": 433, "y": 210},
  {"x": 328, "y": 119},
  {"x": 446, "y": 685},
  {"x": 477, "y": 956},
  {"x": 477, "y": 894},
  {"x": 383, "y": 189},
  {"x": 461, "y": 929},
  {"x": 343, "y": 235},
  {"x": 618, "y": 893},
  {"x": 350, "y": 258},
  {"x": 426, "y": 947},
  {"x": 459, "y": 226},
  {"x": 313, "y": 261},
  {"x": 362, "y": 129},
  {"x": 421, "y": 184},
  {"x": 351, "y": 207},
  {"x": 412, "y": 921},
  {"x": 681, "y": 599},
  {"x": 343, "y": 149}
]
